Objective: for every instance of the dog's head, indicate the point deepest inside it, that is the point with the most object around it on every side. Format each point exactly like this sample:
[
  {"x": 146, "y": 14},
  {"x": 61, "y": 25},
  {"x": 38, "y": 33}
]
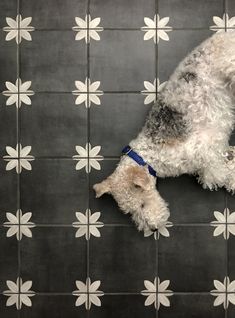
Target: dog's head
[{"x": 135, "y": 191}]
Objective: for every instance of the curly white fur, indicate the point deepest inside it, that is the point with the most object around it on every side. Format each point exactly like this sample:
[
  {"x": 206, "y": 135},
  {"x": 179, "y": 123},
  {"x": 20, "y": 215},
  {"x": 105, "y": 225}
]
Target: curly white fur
[{"x": 207, "y": 105}]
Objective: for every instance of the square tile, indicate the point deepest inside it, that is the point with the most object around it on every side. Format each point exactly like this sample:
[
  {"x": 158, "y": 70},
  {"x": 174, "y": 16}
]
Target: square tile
[
  {"x": 53, "y": 191},
  {"x": 7, "y": 9},
  {"x": 181, "y": 43},
  {"x": 53, "y": 306},
  {"x": 122, "y": 14},
  {"x": 117, "y": 121},
  {"x": 8, "y": 127},
  {"x": 189, "y": 202},
  {"x": 53, "y": 125},
  {"x": 8, "y": 60},
  {"x": 8, "y": 190},
  {"x": 53, "y": 14},
  {"x": 57, "y": 67},
  {"x": 191, "y": 306},
  {"x": 8, "y": 259},
  {"x": 198, "y": 256},
  {"x": 110, "y": 212},
  {"x": 53, "y": 259},
  {"x": 190, "y": 13},
  {"x": 122, "y": 306},
  {"x": 122, "y": 60},
  {"x": 7, "y": 312},
  {"x": 122, "y": 258}
]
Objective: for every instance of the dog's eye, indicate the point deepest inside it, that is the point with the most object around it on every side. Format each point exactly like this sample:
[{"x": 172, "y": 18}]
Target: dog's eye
[
  {"x": 142, "y": 205},
  {"x": 136, "y": 186}
]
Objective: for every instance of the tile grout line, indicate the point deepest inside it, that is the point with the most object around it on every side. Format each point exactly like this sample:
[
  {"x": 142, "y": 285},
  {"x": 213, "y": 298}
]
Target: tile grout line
[
  {"x": 128, "y": 29},
  {"x": 156, "y": 76},
  {"x": 88, "y": 150},
  {"x": 120, "y": 224},
  {"x": 18, "y": 140},
  {"x": 226, "y": 200},
  {"x": 226, "y": 254},
  {"x": 39, "y": 293}
]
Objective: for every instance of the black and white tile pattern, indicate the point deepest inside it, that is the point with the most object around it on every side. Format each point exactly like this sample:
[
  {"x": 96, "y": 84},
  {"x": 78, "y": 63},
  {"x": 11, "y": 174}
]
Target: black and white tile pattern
[{"x": 77, "y": 80}]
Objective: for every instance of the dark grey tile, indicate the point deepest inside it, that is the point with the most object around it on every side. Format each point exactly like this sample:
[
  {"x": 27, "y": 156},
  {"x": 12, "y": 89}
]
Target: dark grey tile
[
  {"x": 8, "y": 190},
  {"x": 53, "y": 306},
  {"x": 122, "y": 60},
  {"x": 190, "y": 13},
  {"x": 50, "y": 261},
  {"x": 106, "y": 204},
  {"x": 53, "y": 61},
  {"x": 134, "y": 257},
  {"x": 8, "y": 258},
  {"x": 198, "y": 256},
  {"x": 7, "y": 9},
  {"x": 231, "y": 202},
  {"x": 8, "y": 127},
  {"x": 181, "y": 43},
  {"x": 54, "y": 191},
  {"x": 54, "y": 14},
  {"x": 232, "y": 139},
  {"x": 191, "y": 306},
  {"x": 8, "y": 61},
  {"x": 117, "y": 121},
  {"x": 231, "y": 253},
  {"x": 7, "y": 312},
  {"x": 189, "y": 202},
  {"x": 122, "y": 14},
  {"x": 122, "y": 306},
  {"x": 53, "y": 125},
  {"x": 230, "y": 8},
  {"x": 231, "y": 311}
]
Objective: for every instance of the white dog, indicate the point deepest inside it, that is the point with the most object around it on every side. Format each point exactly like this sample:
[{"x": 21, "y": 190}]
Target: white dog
[{"x": 187, "y": 131}]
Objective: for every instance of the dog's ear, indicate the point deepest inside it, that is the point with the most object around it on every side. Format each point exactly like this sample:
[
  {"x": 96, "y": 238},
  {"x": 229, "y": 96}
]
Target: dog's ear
[
  {"x": 102, "y": 188},
  {"x": 139, "y": 176}
]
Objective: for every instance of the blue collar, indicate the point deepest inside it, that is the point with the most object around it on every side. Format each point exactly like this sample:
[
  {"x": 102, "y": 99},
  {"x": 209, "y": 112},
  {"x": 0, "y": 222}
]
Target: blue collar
[{"x": 132, "y": 154}]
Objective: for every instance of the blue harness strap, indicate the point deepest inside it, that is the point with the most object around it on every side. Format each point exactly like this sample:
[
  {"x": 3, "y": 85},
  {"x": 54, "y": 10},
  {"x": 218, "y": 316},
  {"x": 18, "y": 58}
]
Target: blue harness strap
[{"x": 128, "y": 151}]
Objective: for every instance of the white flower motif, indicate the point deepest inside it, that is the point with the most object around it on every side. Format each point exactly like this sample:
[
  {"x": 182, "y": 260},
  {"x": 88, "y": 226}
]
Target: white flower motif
[
  {"x": 18, "y": 93},
  {"x": 220, "y": 223},
  {"x": 151, "y": 89},
  {"x": 88, "y": 293},
  {"x": 88, "y": 157},
  {"x": 18, "y": 158},
  {"x": 88, "y": 224},
  {"x": 87, "y": 92},
  {"x": 87, "y": 29},
  {"x": 19, "y": 293},
  {"x": 18, "y": 29},
  {"x": 157, "y": 28},
  {"x": 157, "y": 296},
  {"x": 161, "y": 231},
  {"x": 222, "y": 23},
  {"x": 19, "y": 224},
  {"x": 224, "y": 292}
]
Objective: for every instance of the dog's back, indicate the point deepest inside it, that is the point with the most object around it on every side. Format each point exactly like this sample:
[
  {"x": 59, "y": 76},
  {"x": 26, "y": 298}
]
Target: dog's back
[{"x": 200, "y": 94}]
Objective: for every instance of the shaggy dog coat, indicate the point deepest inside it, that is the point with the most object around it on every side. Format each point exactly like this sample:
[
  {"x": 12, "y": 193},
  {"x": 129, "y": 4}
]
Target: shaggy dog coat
[{"x": 186, "y": 131}]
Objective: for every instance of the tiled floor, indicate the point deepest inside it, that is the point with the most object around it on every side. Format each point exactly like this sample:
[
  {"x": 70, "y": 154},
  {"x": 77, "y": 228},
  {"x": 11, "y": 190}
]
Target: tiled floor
[{"x": 92, "y": 81}]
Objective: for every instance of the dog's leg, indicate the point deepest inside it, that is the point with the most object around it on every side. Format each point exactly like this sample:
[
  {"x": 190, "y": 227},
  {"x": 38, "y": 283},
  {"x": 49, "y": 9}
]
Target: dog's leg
[{"x": 219, "y": 171}]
